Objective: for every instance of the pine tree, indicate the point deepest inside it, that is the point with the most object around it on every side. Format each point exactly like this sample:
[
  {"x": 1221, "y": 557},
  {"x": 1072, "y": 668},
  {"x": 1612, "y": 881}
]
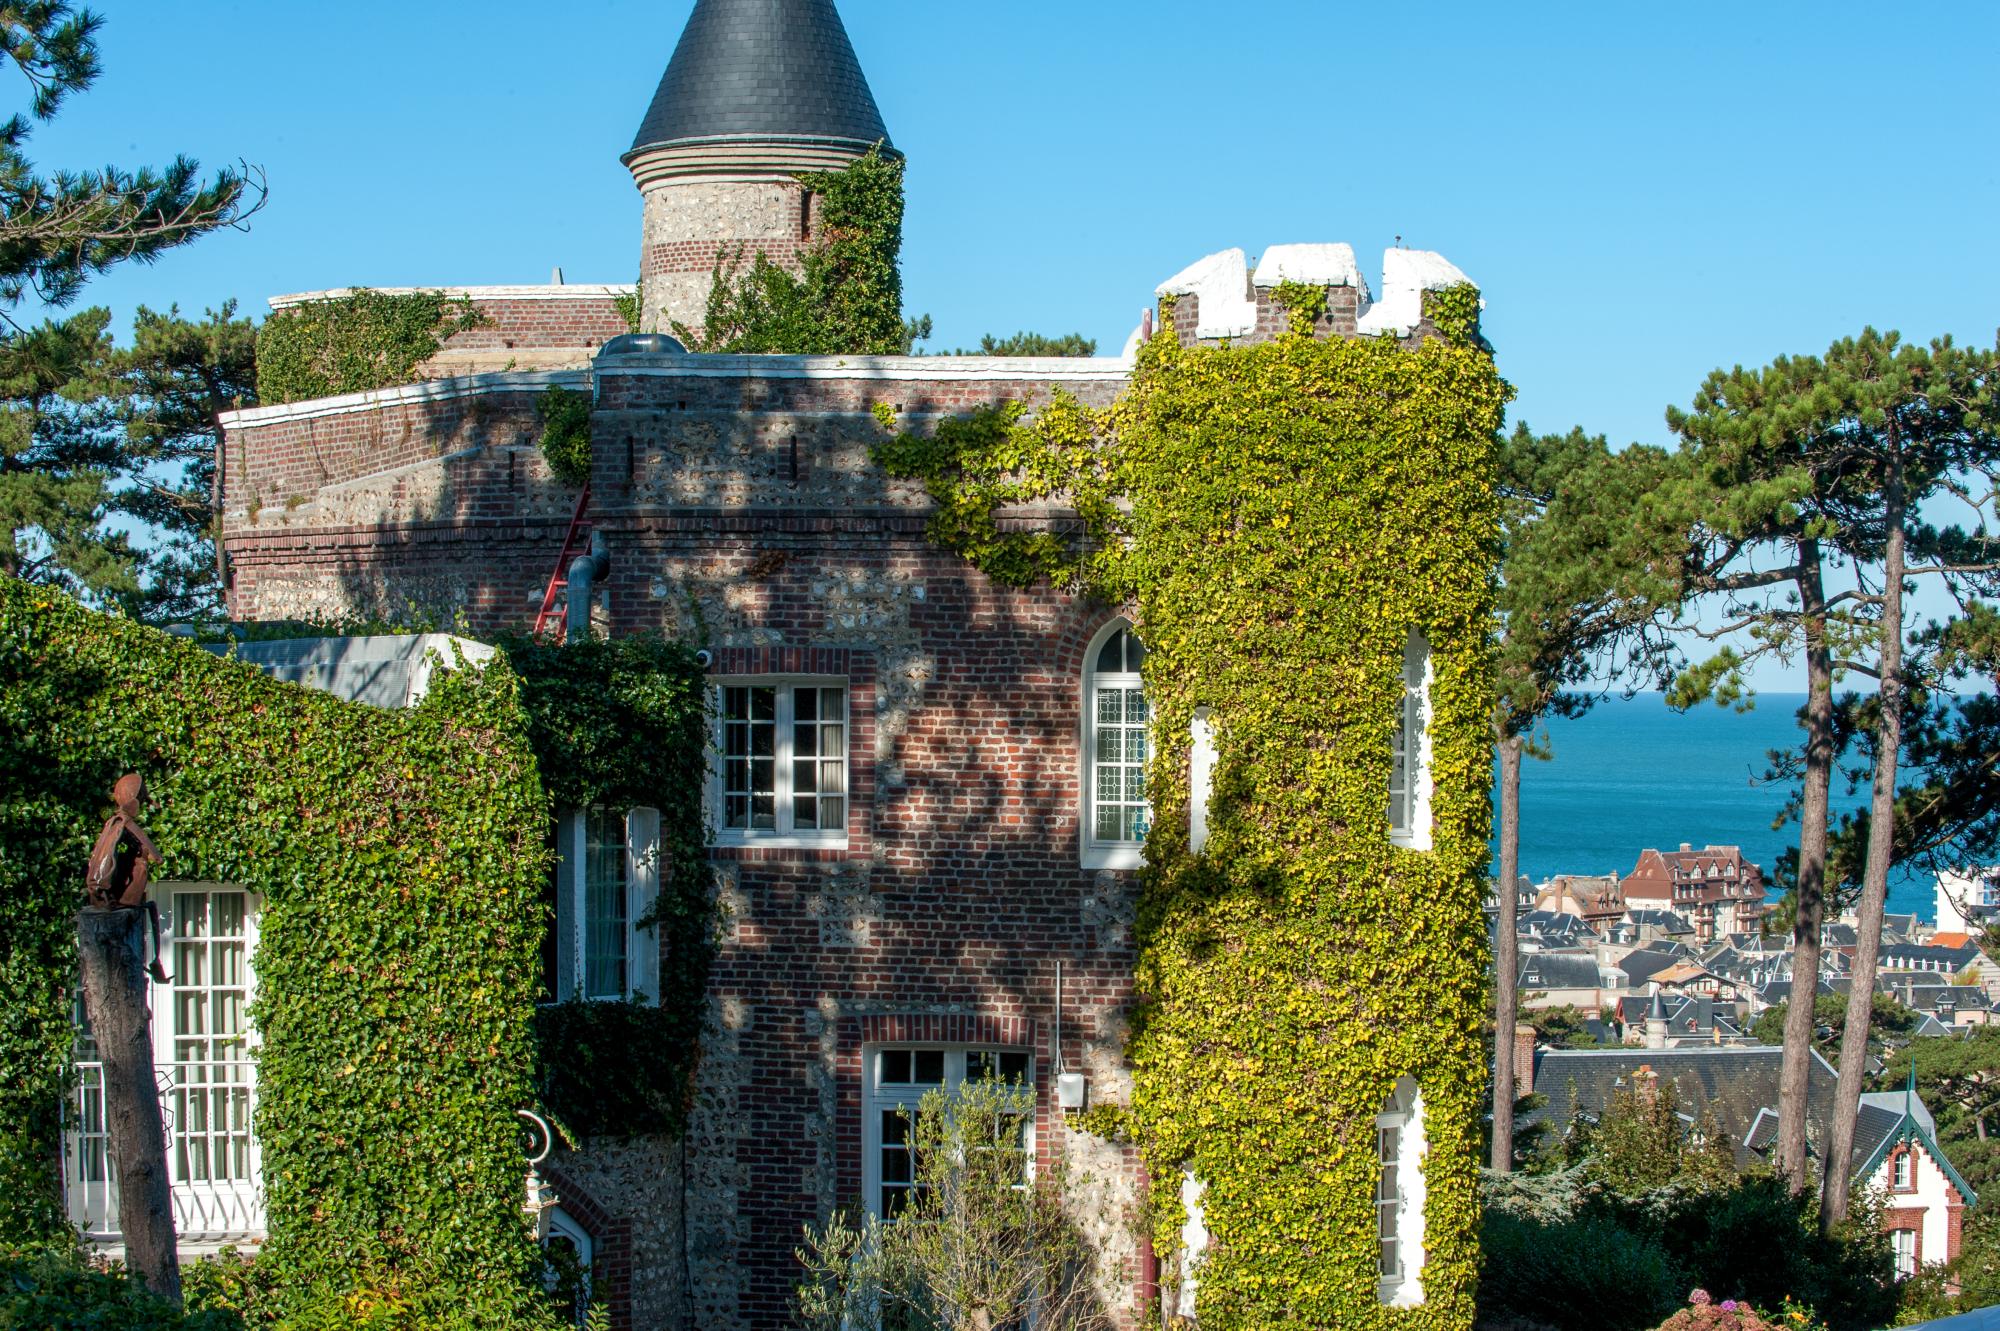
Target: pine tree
[
  {"x": 68, "y": 472},
  {"x": 175, "y": 382},
  {"x": 1572, "y": 624}
]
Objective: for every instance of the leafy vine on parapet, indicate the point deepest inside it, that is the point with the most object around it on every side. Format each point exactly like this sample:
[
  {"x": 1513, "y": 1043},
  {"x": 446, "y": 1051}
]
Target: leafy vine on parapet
[
  {"x": 1279, "y": 518},
  {"x": 356, "y": 343}
]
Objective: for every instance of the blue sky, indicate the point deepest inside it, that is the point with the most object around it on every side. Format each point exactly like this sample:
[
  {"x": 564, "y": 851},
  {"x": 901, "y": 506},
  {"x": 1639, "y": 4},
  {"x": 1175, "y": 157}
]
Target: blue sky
[{"x": 1643, "y": 192}]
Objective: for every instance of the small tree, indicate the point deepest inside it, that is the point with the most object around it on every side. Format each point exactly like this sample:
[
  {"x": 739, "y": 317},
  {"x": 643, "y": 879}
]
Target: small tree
[
  {"x": 980, "y": 1246},
  {"x": 1642, "y": 1144}
]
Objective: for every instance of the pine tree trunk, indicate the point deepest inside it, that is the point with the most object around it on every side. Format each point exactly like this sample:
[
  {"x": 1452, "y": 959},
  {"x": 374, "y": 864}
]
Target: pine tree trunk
[
  {"x": 1875, "y": 875},
  {"x": 1505, "y": 948},
  {"x": 112, "y": 944},
  {"x": 1794, "y": 1072}
]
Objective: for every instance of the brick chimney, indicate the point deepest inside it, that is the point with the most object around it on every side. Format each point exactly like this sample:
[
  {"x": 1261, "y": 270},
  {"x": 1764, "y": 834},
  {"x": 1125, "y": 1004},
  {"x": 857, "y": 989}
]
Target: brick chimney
[{"x": 1524, "y": 1061}]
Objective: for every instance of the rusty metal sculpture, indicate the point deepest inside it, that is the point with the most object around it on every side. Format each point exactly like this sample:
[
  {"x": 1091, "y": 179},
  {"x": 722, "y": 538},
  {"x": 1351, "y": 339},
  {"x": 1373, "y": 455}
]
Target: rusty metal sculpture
[
  {"x": 112, "y": 948},
  {"x": 123, "y": 860}
]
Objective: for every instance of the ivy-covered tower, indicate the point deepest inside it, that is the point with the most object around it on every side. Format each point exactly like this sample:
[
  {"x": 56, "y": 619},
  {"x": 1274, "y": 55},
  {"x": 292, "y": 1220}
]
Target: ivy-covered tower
[{"x": 758, "y": 91}]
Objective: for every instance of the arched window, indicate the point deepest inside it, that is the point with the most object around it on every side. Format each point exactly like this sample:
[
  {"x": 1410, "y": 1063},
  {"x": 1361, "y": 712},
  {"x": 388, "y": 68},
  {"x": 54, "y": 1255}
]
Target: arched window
[
  {"x": 1410, "y": 757},
  {"x": 1116, "y": 814},
  {"x": 1399, "y": 1196}
]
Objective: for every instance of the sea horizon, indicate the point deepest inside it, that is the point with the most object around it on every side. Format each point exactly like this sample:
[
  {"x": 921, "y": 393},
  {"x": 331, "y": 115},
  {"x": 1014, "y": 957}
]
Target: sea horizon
[{"x": 1632, "y": 774}]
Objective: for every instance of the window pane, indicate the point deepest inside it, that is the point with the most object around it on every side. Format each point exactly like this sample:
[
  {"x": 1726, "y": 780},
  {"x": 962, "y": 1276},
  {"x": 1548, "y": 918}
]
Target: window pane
[
  {"x": 805, "y": 705},
  {"x": 1110, "y": 744},
  {"x": 1135, "y": 653},
  {"x": 604, "y": 904},
  {"x": 895, "y": 1068},
  {"x": 832, "y": 813},
  {"x": 929, "y": 1067},
  {"x": 1111, "y": 657},
  {"x": 1110, "y": 706}
]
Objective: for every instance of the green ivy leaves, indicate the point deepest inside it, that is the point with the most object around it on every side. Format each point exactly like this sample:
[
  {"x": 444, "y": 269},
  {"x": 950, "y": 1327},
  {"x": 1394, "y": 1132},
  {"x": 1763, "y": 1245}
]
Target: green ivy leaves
[
  {"x": 355, "y": 343},
  {"x": 1282, "y": 516}
]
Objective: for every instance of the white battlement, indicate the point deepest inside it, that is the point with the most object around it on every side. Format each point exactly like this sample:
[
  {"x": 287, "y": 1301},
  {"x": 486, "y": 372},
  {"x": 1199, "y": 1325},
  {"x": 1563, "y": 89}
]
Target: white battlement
[{"x": 1226, "y": 288}]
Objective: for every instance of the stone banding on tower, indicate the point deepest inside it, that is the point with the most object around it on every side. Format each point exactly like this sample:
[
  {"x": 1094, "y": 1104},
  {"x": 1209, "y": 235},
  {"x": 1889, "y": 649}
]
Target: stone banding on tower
[{"x": 757, "y": 92}]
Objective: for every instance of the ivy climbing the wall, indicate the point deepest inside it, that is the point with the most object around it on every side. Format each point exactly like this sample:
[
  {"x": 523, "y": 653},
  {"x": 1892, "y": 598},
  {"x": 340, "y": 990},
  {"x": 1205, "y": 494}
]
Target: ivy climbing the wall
[
  {"x": 848, "y": 297},
  {"x": 565, "y": 417},
  {"x": 398, "y": 860},
  {"x": 355, "y": 343},
  {"x": 624, "y": 723},
  {"x": 1281, "y": 518}
]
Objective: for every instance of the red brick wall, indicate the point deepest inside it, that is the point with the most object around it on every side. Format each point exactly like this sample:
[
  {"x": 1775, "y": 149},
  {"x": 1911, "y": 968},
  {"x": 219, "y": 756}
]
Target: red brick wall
[
  {"x": 569, "y": 321},
  {"x": 962, "y": 857}
]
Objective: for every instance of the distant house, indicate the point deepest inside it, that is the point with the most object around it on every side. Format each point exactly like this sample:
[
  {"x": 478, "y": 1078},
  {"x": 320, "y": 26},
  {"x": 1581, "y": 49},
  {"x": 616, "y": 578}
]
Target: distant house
[
  {"x": 1929, "y": 958},
  {"x": 1553, "y": 979},
  {"x": 1595, "y": 898},
  {"x": 1715, "y": 887},
  {"x": 1687, "y": 1020},
  {"x": 1896, "y": 1154},
  {"x": 1967, "y": 901}
]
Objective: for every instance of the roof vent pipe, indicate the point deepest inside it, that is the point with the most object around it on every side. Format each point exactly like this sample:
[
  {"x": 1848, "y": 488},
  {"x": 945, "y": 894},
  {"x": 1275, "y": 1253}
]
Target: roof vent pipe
[{"x": 584, "y": 573}]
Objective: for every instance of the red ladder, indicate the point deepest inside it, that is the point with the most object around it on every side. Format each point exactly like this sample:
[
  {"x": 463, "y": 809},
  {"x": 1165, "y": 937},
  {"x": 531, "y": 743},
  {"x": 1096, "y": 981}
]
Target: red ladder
[{"x": 559, "y": 580}]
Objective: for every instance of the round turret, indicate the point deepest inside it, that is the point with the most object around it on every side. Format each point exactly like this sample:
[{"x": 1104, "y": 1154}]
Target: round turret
[{"x": 757, "y": 92}]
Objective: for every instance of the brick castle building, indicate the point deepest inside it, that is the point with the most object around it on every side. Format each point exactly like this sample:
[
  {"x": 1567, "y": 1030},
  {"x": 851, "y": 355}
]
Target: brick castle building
[{"x": 916, "y": 824}]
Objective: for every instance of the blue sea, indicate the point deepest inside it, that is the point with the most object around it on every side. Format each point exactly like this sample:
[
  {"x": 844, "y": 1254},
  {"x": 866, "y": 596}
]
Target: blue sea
[{"x": 1633, "y": 773}]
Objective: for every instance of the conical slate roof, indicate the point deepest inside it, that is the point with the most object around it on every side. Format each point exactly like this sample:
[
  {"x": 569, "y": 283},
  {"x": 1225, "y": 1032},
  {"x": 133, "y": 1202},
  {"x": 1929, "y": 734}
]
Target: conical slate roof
[{"x": 763, "y": 68}]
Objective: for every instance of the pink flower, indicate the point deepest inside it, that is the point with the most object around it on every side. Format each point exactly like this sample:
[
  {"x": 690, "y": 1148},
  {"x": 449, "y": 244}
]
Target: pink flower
[
  {"x": 1729, "y": 1305},
  {"x": 1699, "y": 1298}
]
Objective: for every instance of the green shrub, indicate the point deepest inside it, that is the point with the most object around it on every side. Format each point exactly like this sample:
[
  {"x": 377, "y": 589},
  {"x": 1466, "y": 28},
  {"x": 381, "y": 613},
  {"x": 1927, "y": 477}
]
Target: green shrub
[
  {"x": 565, "y": 417},
  {"x": 55, "y": 1292},
  {"x": 1587, "y": 1273}
]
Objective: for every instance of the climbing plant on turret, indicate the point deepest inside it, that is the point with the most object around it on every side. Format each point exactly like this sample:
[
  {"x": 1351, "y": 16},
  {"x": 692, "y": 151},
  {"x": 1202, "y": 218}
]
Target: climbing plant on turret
[
  {"x": 846, "y": 300},
  {"x": 1281, "y": 518}
]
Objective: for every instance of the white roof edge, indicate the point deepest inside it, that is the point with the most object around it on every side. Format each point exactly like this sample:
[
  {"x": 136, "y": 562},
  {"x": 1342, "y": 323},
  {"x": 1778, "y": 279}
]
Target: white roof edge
[
  {"x": 578, "y": 291},
  {"x": 973, "y": 369},
  {"x": 426, "y": 390}
]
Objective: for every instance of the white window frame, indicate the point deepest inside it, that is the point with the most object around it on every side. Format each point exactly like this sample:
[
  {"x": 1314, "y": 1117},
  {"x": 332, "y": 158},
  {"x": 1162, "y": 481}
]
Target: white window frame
[
  {"x": 208, "y": 1212},
  {"x": 1410, "y": 814},
  {"x": 1096, "y": 853},
  {"x": 1201, "y": 777},
  {"x": 878, "y": 1098},
  {"x": 572, "y": 923},
  {"x": 1404, "y": 1114},
  {"x": 1903, "y": 1249},
  {"x": 785, "y": 835}
]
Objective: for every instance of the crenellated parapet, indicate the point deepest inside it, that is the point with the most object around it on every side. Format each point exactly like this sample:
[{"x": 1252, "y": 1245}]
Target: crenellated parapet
[{"x": 1221, "y": 299}]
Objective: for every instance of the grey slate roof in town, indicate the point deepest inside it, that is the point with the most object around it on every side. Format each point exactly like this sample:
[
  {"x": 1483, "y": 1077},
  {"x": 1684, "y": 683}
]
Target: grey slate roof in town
[
  {"x": 387, "y": 671},
  {"x": 1550, "y": 970},
  {"x": 1666, "y": 920},
  {"x": 1732, "y": 1084},
  {"x": 762, "y": 69},
  {"x": 1644, "y": 964}
]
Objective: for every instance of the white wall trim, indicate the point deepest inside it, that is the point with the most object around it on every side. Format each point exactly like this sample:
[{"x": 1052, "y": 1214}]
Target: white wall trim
[
  {"x": 424, "y": 390},
  {"x": 580, "y": 291},
  {"x": 888, "y": 369}
]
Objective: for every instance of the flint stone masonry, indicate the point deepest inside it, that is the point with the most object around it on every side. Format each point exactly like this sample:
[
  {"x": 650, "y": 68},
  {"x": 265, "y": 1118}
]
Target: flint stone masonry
[{"x": 692, "y": 225}]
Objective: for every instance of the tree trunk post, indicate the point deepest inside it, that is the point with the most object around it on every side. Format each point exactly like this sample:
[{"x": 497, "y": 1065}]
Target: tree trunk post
[
  {"x": 1875, "y": 873},
  {"x": 1505, "y": 948},
  {"x": 112, "y": 944},
  {"x": 1796, "y": 1068}
]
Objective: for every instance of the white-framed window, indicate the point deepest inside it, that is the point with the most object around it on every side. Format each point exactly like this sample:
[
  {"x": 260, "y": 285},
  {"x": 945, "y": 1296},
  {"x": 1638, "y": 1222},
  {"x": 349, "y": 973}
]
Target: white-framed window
[
  {"x": 1410, "y": 753},
  {"x": 204, "y": 1061},
  {"x": 1903, "y": 1243},
  {"x": 782, "y": 770},
  {"x": 1116, "y": 746},
  {"x": 1901, "y": 1172},
  {"x": 1399, "y": 1196},
  {"x": 897, "y": 1078},
  {"x": 607, "y": 877}
]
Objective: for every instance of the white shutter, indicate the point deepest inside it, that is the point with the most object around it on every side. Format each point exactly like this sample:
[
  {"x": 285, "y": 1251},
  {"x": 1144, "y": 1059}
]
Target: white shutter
[{"x": 642, "y": 888}]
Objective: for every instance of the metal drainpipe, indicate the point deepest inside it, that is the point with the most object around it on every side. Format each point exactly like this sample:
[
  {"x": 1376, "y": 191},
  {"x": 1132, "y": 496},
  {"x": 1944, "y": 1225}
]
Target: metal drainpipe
[{"x": 584, "y": 571}]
